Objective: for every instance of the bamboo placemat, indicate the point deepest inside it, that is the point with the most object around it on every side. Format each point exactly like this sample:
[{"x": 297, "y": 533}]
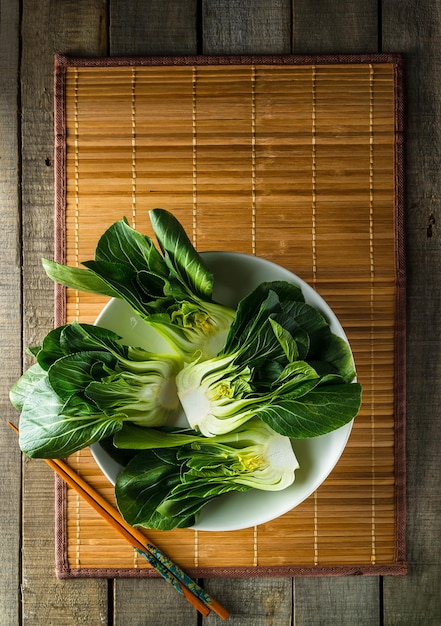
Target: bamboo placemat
[{"x": 294, "y": 159}]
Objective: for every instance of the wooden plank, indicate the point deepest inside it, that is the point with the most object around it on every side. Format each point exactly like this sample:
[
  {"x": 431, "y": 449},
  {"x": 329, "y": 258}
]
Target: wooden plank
[
  {"x": 153, "y": 27},
  {"x": 251, "y": 27},
  {"x": 330, "y": 601},
  {"x": 256, "y": 27},
  {"x": 10, "y": 309},
  {"x": 253, "y": 601},
  {"x": 151, "y": 602},
  {"x": 347, "y": 26},
  {"x": 73, "y": 27},
  {"x": 416, "y": 599},
  {"x": 327, "y": 27}
]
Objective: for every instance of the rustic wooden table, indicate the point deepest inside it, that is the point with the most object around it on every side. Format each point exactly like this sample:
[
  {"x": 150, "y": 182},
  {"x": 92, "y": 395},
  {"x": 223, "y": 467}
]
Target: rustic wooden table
[{"x": 31, "y": 32}]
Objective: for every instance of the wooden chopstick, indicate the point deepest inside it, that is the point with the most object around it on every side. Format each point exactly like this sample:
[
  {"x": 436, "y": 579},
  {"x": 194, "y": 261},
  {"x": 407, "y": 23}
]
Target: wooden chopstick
[{"x": 169, "y": 570}]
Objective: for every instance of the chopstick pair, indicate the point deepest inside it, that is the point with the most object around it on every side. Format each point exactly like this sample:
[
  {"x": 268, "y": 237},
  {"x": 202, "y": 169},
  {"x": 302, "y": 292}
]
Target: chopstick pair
[{"x": 169, "y": 570}]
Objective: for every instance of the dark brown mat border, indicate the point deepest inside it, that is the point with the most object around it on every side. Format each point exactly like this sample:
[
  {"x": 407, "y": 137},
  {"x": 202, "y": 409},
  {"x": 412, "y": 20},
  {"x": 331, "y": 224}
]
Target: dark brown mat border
[
  {"x": 252, "y": 59},
  {"x": 399, "y": 567}
]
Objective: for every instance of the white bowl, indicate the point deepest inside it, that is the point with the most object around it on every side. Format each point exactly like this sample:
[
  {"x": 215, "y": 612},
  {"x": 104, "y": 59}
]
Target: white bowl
[{"x": 235, "y": 276}]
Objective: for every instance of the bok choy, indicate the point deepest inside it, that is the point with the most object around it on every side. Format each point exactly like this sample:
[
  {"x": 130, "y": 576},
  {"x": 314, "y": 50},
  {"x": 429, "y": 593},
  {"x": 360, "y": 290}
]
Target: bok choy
[
  {"x": 85, "y": 385},
  {"x": 280, "y": 363},
  {"x": 247, "y": 380},
  {"x": 166, "y": 487},
  {"x": 170, "y": 288}
]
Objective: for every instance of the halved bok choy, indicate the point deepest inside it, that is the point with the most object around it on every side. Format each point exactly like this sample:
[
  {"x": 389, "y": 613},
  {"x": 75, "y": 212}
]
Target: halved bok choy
[
  {"x": 167, "y": 484},
  {"x": 85, "y": 385},
  {"x": 281, "y": 363},
  {"x": 170, "y": 288}
]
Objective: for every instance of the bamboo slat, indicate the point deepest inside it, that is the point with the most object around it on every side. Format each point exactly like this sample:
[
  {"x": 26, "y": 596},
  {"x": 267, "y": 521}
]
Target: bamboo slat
[{"x": 296, "y": 164}]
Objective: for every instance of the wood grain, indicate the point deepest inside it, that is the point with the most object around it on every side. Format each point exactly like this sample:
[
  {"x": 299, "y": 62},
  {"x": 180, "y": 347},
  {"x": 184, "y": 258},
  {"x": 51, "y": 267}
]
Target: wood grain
[
  {"x": 336, "y": 602},
  {"x": 149, "y": 601},
  {"x": 155, "y": 27},
  {"x": 329, "y": 27},
  {"x": 411, "y": 29},
  {"x": 10, "y": 311},
  {"x": 413, "y": 600},
  {"x": 254, "y": 601},
  {"x": 74, "y": 28},
  {"x": 250, "y": 27}
]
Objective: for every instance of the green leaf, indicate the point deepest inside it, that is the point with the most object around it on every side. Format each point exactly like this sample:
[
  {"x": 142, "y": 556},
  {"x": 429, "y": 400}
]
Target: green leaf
[
  {"x": 50, "y": 349},
  {"x": 123, "y": 281},
  {"x": 171, "y": 291},
  {"x": 188, "y": 499},
  {"x": 150, "y": 491},
  {"x": 143, "y": 485},
  {"x": 124, "y": 245},
  {"x": 321, "y": 410},
  {"x": 76, "y": 337},
  {"x": 180, "y": 254},
  {"x": 50, "y": 428},
  {"x": 286, "y": 340},
  {"x": 72, "y": 373},
  {"x": 77, "y": 278},
  {"x": 140, "y": 438},
  {"x": 335, "y": 351},
  {"x": 25, "y": 385}
]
